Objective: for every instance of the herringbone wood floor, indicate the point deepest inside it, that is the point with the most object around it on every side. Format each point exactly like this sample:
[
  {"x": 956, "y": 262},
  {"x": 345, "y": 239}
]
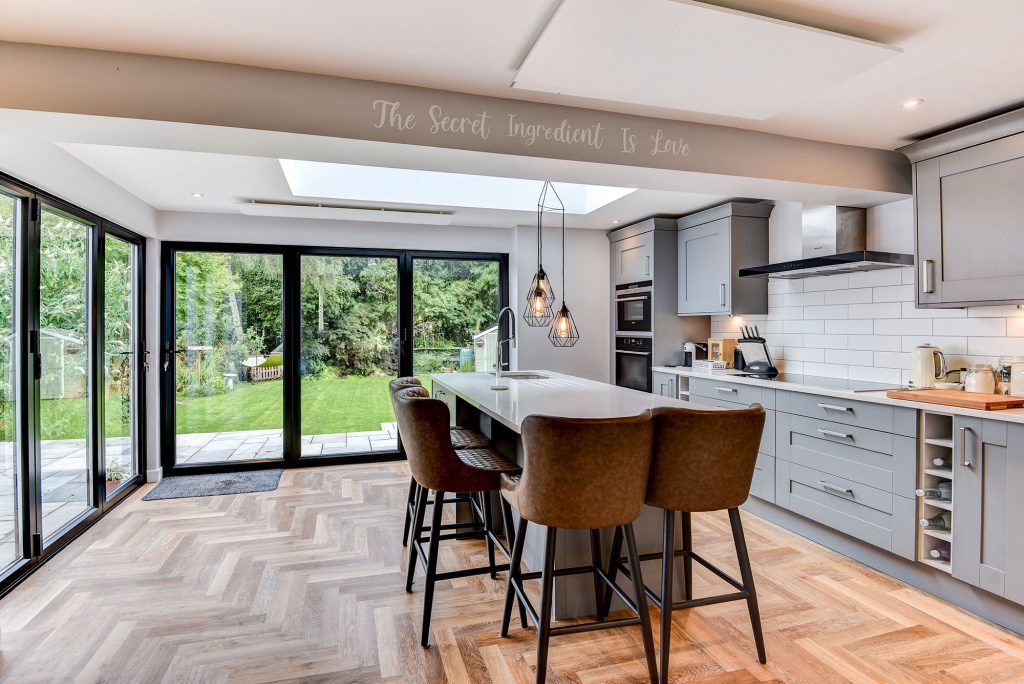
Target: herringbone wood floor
[{"x": 305, "y": 584}]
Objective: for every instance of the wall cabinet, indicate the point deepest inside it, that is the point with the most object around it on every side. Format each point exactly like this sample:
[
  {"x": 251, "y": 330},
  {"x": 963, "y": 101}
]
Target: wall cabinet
[
  {"x": 968, "y": 214},
  {"x": 633, "y": 259},
  {"x": 713, "y": 245},
  {"x": 988, "y": 477},
  {"x": 664, "y": 384}
]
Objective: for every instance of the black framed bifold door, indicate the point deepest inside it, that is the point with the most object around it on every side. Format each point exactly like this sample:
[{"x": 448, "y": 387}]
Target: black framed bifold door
[
  {"x": 71, "y": 386},
  {"x": 281, "y": 356}
]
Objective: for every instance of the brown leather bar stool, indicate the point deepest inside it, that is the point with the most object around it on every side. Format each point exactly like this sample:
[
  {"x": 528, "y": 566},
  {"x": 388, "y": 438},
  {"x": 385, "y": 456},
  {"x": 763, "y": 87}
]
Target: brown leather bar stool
[
  {"x": 584, "y": 474},
  {"x": 703, "y": 461},
  {"x": 436, "y": 465},
  {"x": 462, "y": 438}
]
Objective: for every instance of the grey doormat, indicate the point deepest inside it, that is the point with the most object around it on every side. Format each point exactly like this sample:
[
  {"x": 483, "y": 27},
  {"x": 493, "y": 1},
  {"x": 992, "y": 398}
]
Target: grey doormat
[{"x": 184, "y": 486}]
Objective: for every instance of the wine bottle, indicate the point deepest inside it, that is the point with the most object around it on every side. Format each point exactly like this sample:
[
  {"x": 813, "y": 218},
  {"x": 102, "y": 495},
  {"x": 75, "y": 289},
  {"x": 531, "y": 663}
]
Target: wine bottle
[
  {"x": 942, "y": 461},
  {"x": 937, "y": 522},
  {"x": 942, "y": 491},
  {"x": 940, "y": 554}
]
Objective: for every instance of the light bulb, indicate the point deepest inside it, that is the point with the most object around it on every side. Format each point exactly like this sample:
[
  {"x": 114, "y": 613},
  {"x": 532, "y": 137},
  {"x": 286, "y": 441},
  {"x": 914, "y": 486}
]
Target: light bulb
[
  {"x": 538, "y": 303},
  {"x": 563, "y": 326}
]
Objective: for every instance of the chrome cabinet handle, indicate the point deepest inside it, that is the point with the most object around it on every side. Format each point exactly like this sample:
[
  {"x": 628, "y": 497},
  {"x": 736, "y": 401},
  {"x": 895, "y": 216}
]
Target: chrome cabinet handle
[
  {"x": 647, "y": 265},
  {"x": 964, "y": 460},
  {"x": 726, "y": 389},
  {"x": 833, "y": 407},
  {"x": 833, "y": 433},
  {"x": 928, "y": 276},
  {"x": 835, "y": 488},
  {"x": 722, "y": 295}
]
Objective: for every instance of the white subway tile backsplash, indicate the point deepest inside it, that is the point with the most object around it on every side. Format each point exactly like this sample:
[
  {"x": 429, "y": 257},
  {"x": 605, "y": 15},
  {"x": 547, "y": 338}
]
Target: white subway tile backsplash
[
  {"x": 864, "y": 325},
  {"x": 836, "y": 311},
  {"x": 875, "y": 342},
  {"x": 861, "y": 295},
  {"x": 903, "y": 326},
  {"x": 894, "y": 293},
  {"x": 981, "y": 327},
  {"x": 849, "y": 356},
  {"x": 881, "y": 310},
  {"x": 888, "y": 276},
  {"x": 850, "y": 327},
  {"x": 804, "y": 326}
]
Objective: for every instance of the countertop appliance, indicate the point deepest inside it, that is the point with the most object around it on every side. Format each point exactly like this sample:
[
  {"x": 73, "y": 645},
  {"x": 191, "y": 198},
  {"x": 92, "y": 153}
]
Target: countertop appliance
[
  {"x": 927, "y": 366},
  {"x": 757, "y": 360},
  {"x": 633, "y": 362},
  {"x": 834, "y": 241},
  {"x": 633, "y": 307}
]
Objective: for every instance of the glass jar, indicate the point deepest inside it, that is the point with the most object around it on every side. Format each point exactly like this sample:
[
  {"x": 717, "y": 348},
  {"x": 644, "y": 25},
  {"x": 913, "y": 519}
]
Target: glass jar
[
  {"x": 1004, "y": 371},
  {"x": 1017, "y": 378},
  {"x": 980, "y": 378}
]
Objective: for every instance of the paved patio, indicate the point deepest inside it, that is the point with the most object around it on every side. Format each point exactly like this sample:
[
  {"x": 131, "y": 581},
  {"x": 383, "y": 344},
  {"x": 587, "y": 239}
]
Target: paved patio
[{"x": 247, "y": 445}]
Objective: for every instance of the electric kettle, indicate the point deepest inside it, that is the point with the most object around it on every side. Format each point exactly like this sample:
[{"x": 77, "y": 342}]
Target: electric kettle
[{"x": 927, "y": 364}]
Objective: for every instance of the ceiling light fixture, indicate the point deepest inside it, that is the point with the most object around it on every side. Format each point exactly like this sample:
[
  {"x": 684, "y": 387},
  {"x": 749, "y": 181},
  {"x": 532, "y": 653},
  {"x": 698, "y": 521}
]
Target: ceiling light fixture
[
  {"x": 615, "y": 221},
  {"x": 197, "y": 195},
  {"x": 541, "y": 294},
  {"x": 563, "y": 331},
  {"x": 913, "y": 103}
]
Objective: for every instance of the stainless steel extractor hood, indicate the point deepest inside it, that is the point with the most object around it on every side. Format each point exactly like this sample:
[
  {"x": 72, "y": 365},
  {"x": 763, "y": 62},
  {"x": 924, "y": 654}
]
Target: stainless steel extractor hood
[{"x": 834, "y": 241}]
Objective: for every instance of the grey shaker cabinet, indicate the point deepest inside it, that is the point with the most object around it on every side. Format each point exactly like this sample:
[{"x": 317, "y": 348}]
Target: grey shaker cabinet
[
  {"x": 713, "y": 245},
  {"x": 664, "y": 384},
  {"x": 988, "y": 478},
  {"x": 969, "y": 218},
  {"x": 633, "y": 259}
]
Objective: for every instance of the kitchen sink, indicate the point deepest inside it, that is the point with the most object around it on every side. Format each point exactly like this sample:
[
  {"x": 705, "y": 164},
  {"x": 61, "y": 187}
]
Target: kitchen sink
[{"x": 523, "y": 375}]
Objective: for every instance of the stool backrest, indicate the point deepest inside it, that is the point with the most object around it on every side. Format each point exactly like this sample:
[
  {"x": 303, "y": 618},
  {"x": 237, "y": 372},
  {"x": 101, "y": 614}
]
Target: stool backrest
[
  {"x": 584, "y": 473},
  {"x": 703, "y": 460},
  {"x": 424, "y": 425},
  {"x": 402, "y": 383}
]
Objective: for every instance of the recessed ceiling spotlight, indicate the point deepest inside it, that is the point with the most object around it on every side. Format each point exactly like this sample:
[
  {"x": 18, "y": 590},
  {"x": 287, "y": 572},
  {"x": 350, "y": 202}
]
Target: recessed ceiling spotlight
[
  {"x": 913, "y": 103},
  {"x": 197, "y": 195},
  {"x": 616, "y": 221}
]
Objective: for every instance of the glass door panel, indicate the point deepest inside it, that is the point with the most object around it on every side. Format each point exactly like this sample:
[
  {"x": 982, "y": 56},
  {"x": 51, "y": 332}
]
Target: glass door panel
[
  {"x": 349, "y": 354},
  {"x": 66, "y": 472},
  {"x": 228, "y": 357},
  {"x": 120, "y": 364},
  {"x": 455, "y": 316},
  {"x": 10, "y": 472}
]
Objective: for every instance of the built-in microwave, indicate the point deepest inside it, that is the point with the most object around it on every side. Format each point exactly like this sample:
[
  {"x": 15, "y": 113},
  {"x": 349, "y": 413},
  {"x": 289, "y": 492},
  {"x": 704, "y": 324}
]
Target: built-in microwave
[{"x": 633, "y": 307}]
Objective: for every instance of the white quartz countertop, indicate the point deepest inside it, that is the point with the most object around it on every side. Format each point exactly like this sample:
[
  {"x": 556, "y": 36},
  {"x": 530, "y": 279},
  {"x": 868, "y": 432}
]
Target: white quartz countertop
[
  {"x": 557, "y": 394},
  {"x": 828, "y": 387}
]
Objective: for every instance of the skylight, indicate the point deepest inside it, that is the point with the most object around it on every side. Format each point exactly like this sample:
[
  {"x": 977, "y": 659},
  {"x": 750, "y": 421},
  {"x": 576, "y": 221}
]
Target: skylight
[{"x": 436, "y": 188}]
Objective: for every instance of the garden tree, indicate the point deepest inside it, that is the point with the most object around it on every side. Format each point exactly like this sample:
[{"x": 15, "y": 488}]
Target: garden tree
[{"x": 322, "y": 274}]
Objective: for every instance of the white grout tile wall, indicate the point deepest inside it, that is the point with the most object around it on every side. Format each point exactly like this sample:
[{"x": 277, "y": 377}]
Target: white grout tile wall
[{"x": 863, "y": 326}]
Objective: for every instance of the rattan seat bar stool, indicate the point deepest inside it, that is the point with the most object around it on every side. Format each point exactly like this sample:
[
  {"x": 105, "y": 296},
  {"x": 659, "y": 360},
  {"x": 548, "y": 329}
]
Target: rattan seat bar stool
[
  {"x": 462, "y": 438},
  {"x": 437, "y": 466},
  {"x": 702, "y": 461},
  {"x": 579, "y": 474}
]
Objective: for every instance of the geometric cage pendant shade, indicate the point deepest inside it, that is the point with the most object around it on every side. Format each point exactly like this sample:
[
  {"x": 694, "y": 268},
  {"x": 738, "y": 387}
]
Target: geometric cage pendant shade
[
  {"x": 563, "y": 331},
  {"x": 540, "y": 297}
]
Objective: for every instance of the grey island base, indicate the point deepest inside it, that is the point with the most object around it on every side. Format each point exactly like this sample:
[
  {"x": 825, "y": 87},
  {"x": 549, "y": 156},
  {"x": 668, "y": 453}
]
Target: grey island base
[{"x": 499, "y": 414}]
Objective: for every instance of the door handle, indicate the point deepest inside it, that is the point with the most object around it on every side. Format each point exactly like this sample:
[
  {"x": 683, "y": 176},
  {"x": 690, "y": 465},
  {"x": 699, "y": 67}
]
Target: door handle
[
  {"x": 965, "y": 461},
  {"x": 833, "y": 433},
  {"x": 721, "y": 296},
  {"x": 928, "y": 276},
  {"x": 835, "y": 488}
]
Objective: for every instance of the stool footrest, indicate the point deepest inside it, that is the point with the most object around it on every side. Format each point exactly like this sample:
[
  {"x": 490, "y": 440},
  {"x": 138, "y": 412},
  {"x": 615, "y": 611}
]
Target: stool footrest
[
  {"x": 517, "y": 586},
  {"x": 741, "y": 591},
  {"x": 595, "y": 626}
]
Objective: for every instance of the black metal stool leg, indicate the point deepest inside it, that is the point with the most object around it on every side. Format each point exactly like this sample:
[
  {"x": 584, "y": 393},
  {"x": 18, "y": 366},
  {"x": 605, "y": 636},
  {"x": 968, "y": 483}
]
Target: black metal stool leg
[
  {"x": 613, "y": 571},
  {"x": 410, "y": 510},
  {"x": 641, "y": 601},
  {"x": 748, "y": 581},
  {"x": 510, "y": 538},
  {"x": 598, "y": 562},
  {"x": 687, "y": 556},
  {"x": 547, "y": 591},
  {"x": 489, "y": 526},
  {"x": 421, "y": 509},
  {"x": 513, "y": 577},
  {"x": 668, "y": 555},
  {"x": 435, "y": 541}
]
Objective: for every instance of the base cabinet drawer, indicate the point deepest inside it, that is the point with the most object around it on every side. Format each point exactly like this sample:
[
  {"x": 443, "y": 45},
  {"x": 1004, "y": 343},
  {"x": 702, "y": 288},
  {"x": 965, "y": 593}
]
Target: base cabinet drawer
[
  {"x": 866, "y": 513},
  {"x": 767, "y": 436},
  {"x": 763, "y": 484},
  {"x": 840, "y": 410},
  {"x": 731, "y": 391}
]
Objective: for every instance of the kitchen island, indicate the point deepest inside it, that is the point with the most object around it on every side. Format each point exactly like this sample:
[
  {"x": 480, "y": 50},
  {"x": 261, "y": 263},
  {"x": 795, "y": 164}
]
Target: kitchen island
[{"x": 500, "y": 413}]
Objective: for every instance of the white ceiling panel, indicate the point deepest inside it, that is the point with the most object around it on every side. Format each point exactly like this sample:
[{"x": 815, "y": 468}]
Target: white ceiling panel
[{"x": 690, "y": 56}]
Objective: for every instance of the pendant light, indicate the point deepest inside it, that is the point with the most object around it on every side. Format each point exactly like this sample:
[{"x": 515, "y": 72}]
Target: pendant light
[
  {"x": 540, "y": 297},
  {"x": 563, "y": 331}
]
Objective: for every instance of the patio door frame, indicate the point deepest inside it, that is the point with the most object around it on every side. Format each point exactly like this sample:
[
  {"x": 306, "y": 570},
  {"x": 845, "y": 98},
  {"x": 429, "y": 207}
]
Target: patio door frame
[
  {"x": 291, "y": 351},
  {"x": 27, "y": 361}
]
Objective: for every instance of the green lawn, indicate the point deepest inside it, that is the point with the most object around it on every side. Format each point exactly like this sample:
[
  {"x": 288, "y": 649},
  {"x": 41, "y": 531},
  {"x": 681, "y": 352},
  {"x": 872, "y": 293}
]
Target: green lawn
[{"x": 330, "y": 404}]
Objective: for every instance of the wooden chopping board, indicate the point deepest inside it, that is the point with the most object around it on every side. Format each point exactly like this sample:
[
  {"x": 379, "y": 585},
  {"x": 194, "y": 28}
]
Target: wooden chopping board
[{"x": 971, "y": 400}]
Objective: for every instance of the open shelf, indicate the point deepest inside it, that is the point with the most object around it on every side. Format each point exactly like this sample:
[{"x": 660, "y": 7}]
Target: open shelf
[
  {"x": 946, "y": 473},
  {"x": 938, "y": 503},
  {"x": 936, "y": 431},
  {"x": 938, "y": 564},
  {"x": 944, "y": 535},
  {"x": 940, "y": 441}
]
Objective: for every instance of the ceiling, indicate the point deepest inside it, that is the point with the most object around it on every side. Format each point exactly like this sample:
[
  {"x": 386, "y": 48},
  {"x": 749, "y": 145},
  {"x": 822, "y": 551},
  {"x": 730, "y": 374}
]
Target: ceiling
[{"x": 966, "y": 59}]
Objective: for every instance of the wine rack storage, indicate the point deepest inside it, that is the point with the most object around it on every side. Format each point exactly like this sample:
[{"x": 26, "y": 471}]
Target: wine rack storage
[{"x": 935, "y": 472}]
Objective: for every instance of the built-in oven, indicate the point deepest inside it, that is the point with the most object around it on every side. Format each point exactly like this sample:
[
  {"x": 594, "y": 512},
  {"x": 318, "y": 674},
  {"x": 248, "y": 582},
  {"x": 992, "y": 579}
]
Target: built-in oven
[
  {"x": 633, "y": 307},
  {"x": 633, "y": 362}
]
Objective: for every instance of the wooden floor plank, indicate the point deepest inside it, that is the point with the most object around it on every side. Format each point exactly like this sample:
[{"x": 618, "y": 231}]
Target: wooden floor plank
[{"x": 306, "y": 583}]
